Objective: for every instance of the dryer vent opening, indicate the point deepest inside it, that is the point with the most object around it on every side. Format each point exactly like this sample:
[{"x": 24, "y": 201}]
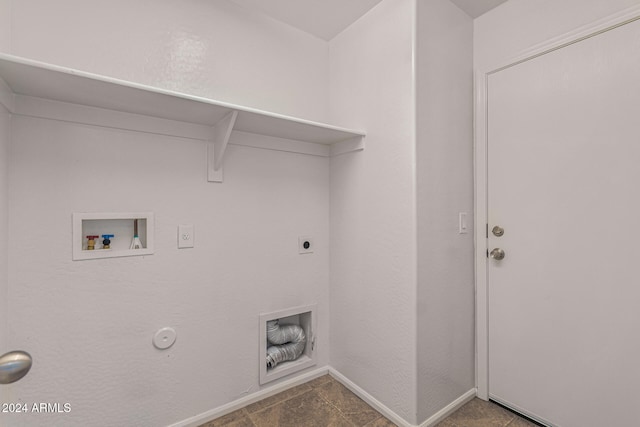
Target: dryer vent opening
[{"x": 287, "y": 342}]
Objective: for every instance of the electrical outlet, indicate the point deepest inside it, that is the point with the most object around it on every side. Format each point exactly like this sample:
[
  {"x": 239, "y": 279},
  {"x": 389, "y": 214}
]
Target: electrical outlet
[
  {"x": 305, "y": 244},
  {"x": 463, "y": 226},
  {"x": 186, "y": 236}
]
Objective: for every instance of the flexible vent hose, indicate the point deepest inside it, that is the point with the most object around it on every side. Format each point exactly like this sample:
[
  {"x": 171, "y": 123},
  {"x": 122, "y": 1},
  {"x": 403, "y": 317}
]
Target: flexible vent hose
[{"x": 287, "y": 343}]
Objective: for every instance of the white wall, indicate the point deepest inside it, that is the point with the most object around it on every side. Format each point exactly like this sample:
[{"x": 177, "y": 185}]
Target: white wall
[
  {"x": 446, "y": 351},
  {"x": 5, "y": 25},
  {"x": 89, "y": 324},
  {"x": 215, "y": 49},
  {"x": 373, "y": 233},
  {"x": 5, "y": 137},
  {"x": 518, "y": 25}
]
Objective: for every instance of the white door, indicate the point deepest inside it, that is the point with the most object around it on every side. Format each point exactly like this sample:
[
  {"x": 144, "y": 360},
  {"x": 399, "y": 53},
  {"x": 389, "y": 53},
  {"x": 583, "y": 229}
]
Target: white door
[{"x": 564, "y": 184}]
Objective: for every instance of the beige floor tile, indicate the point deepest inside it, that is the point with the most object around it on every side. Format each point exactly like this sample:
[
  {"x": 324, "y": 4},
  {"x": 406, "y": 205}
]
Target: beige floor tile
[
  {"x": 381, "y": 422},
  {"x": 324, "y": 402},
  {"x": 319, "y": 381},
  {"x": 305, "y": 410},
  {"x": 521, "y": 422},
  {"x": 478, "y": 413},
  {"x": 351, "y": 406},
  {"x": 277, "y": 398},
  {"x": 239, "y": 418}
]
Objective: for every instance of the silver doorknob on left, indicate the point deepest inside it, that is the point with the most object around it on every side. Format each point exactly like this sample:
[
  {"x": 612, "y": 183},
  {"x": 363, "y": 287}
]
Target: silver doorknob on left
[
  {"x": 497, "y": 254},
  {"x": 13, "y": 366}
]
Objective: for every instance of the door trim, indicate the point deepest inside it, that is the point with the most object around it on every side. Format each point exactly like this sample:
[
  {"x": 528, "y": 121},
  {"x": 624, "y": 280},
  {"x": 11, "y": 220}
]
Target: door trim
[{"x": 480, "y": 171}]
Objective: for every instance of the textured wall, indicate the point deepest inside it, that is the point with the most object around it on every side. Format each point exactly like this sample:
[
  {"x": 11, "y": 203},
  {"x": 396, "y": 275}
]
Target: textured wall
[
  {"x": 209, "y": 48},
  {"x": 518, "y": 25},
  {"x": 5, "y": 25},
  {"x": 373, "y": 235},
  {"x": 5, "y": 136},
  {"x": 444, "y": 148},
  {"x": 89, "y": 324}
]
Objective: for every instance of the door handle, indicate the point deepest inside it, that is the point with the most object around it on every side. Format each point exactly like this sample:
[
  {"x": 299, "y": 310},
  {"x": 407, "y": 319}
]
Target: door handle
[
  {"x": 13, "y": 366},
  {"x": 497, "y": 254}
]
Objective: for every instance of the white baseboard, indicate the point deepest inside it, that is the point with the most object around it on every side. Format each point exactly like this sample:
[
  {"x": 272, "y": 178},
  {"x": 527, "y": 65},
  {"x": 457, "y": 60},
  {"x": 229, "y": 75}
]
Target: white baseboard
[
  {"x": 252, "y": 398},
  {"x": 372, "y": 401},
  {"x": 301, "y": 379},
  {"x": 384, "y": 410},
  {"x": 449, "y": 409}
]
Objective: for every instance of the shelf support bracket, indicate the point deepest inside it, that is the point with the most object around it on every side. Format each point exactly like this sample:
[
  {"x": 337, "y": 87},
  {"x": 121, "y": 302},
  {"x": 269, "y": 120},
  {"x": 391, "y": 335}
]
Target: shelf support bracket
[
  {"x": 7, "y": 98},
  {"x": 218, "y": 146},
  {"x": 347, "y": 146}
]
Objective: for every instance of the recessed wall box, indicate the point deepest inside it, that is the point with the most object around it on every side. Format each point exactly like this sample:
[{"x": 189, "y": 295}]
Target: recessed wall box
[
  {"x": 302, "y": 316},
  {"x": 120, "y": 225}
]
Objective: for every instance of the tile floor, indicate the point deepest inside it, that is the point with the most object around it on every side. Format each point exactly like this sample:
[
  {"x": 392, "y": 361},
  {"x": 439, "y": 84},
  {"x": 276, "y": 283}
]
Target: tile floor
[
  {"x": 324, "y": 402},
  {"x": 478, "y": 413}
]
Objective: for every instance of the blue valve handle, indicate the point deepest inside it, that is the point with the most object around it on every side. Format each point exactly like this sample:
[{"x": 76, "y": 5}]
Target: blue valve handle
[{"x": 107, "y": 242}]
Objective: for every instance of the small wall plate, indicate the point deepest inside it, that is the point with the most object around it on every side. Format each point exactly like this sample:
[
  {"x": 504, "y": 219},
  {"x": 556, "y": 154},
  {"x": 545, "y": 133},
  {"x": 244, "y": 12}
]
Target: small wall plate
[
  {"x": 305, "y": 245},
  {"x": 164, "y": 338}
]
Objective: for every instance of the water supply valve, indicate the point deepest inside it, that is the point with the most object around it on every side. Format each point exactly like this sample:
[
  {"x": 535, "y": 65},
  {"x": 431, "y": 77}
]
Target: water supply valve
[
  {"x": 107, "y": 241},
  {"x": 91, "y": 242}
]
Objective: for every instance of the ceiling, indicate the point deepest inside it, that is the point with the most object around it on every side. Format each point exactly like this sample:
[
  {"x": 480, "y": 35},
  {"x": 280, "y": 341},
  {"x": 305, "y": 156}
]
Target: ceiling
[
  {"x": 475, "y": 8},
  {"x": 327, "y": 18},
  {"x": 322, "y": 18}
]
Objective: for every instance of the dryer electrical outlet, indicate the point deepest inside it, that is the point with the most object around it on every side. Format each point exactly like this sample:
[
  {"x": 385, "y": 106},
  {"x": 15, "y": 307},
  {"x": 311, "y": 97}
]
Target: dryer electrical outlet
[{"x": 305, "y": 245}]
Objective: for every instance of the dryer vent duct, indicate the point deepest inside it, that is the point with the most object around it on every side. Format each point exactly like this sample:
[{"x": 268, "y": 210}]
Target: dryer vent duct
[{"x": 286, "y": 342}]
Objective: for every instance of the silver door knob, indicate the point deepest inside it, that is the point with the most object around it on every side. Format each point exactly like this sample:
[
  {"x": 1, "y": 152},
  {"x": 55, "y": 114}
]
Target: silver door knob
[
  {"x": 497, "y": 231},
  {"x": 13, "y": 366},
  {"x": 497, "y": 254}
]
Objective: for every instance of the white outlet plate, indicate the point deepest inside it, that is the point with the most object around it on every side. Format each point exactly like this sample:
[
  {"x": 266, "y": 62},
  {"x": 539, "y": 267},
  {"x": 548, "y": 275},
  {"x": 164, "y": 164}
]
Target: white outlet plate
[
  {"x": 301, "y": 245},
  {"x": 463, "y": 225},
  {"x": 186, "y": 236}
]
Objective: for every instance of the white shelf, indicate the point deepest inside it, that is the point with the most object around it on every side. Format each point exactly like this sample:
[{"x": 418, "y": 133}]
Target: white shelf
[{"x": 27, "y": 78}]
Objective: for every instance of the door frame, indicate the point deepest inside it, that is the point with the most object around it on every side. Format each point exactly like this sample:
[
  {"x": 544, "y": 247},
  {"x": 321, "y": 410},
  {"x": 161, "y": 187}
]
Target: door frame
[{"x": 480, "y": 172}]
